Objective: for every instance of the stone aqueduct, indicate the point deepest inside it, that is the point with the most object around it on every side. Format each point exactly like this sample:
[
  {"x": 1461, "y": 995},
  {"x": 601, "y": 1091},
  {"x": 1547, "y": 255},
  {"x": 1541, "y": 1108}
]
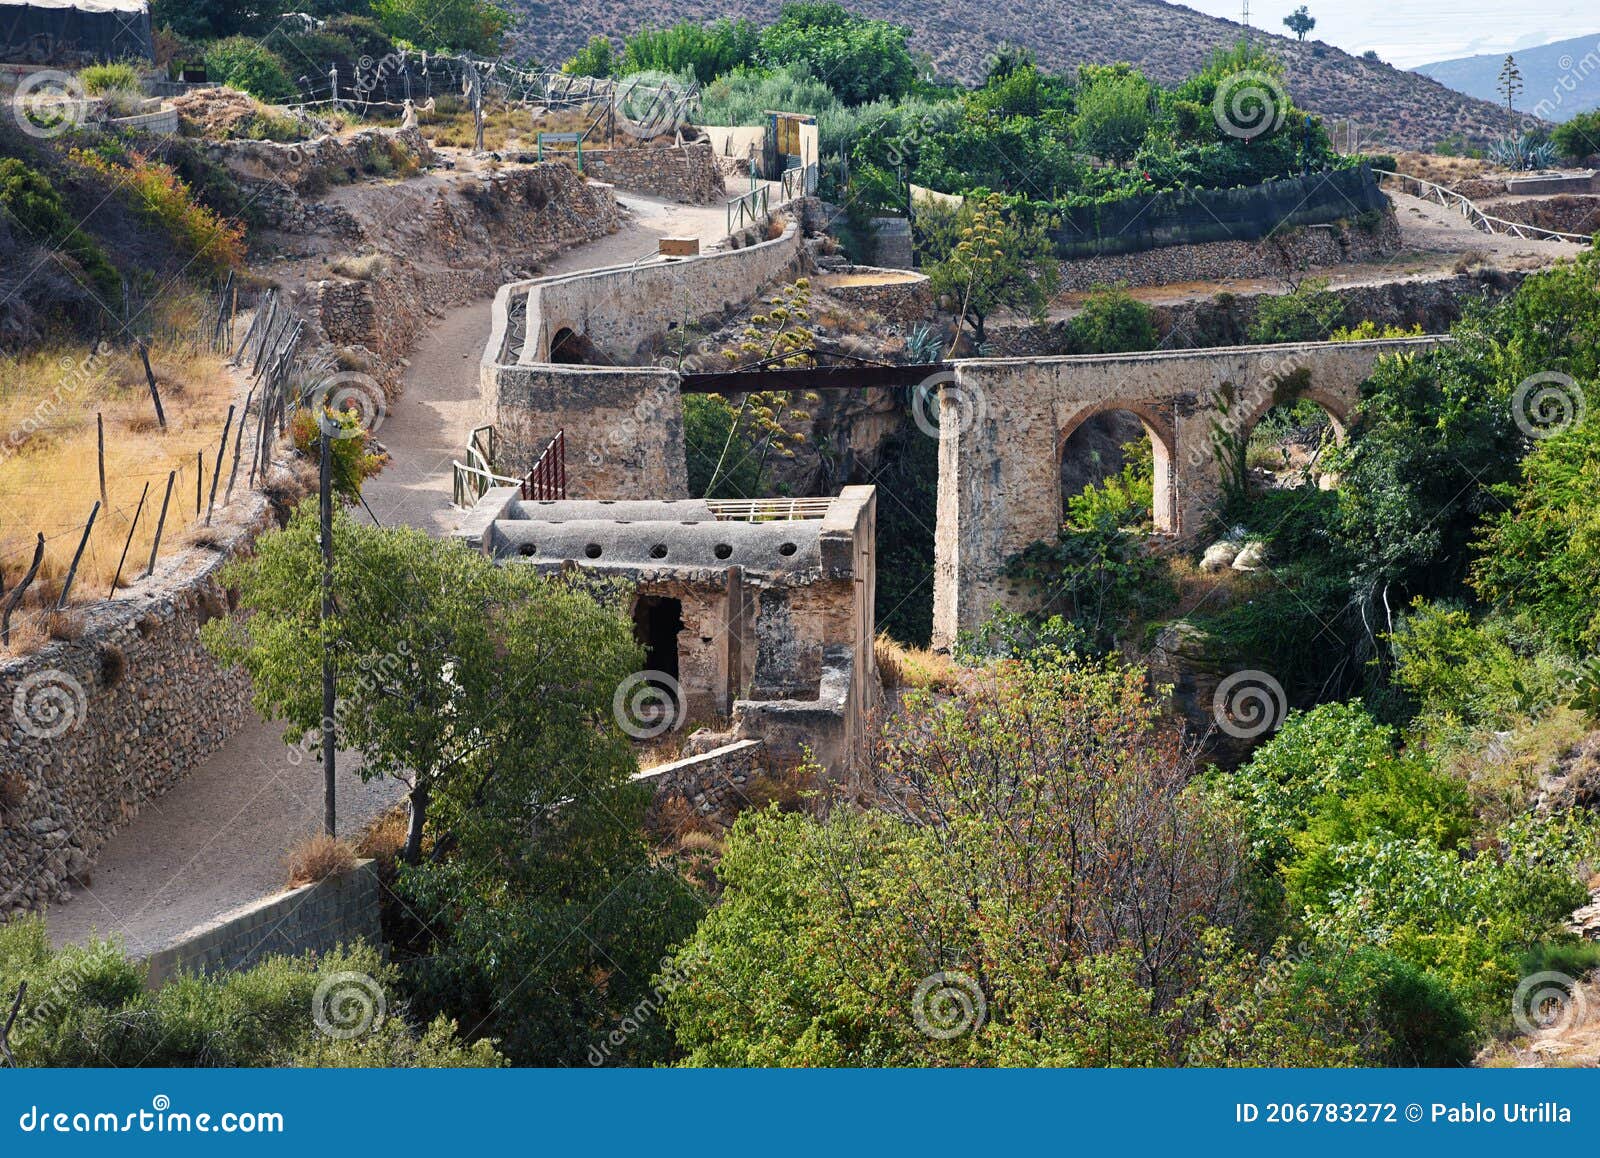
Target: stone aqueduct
[{"x": 1004, "y": 422}]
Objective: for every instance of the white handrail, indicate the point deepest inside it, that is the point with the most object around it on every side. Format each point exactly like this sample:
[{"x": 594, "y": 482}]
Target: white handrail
[{"x": 1450, "y": 199}]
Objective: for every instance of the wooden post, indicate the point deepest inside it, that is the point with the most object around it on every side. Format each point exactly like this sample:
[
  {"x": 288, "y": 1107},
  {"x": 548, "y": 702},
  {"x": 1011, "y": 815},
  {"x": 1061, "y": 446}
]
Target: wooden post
[
  {"x": 150, "y": 376},
  {"x": 238, "y": 447},
  {"x": 16, "y": 592},
  {"x": 199, "y": 479},
  {"x": 216, "y": 471},
  {"x": 329, "y": 704},
  {"x": 72, "y": 572},
  {"x": 133, "y": 526},
  {"x": 100, "y": 436},
  {"x": 172, "y": 477}
]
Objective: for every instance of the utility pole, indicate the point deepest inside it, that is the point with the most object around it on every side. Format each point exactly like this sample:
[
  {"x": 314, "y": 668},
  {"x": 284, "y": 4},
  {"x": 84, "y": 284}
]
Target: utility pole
[{"x": 325, "y": 495}]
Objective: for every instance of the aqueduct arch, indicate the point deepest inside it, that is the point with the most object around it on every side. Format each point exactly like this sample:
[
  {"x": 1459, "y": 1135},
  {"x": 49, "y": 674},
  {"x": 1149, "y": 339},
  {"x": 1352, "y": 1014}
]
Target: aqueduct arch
[
  {"x": 1004, "y": 422},
  {"x": 1158, "y": 429}
]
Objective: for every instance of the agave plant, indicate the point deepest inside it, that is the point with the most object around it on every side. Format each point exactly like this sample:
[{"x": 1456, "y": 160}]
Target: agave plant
[{"x": 1521, "y": 153}]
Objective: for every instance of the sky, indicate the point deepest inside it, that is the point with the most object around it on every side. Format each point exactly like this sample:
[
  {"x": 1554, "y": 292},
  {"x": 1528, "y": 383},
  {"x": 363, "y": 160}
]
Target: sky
[{"x": 1407, "y": 33}]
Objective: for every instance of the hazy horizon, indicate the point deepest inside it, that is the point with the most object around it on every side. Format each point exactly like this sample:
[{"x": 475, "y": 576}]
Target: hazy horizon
[{"x": 1410, "y": 33}]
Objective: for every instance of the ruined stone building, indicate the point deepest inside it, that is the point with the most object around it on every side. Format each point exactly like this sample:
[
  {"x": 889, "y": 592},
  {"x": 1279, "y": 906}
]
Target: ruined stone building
[{"x": 759, "y": 613}]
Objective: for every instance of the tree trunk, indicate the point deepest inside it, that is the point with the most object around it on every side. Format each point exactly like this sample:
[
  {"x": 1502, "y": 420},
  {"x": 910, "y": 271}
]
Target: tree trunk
[{"x": 417, "y": 802}]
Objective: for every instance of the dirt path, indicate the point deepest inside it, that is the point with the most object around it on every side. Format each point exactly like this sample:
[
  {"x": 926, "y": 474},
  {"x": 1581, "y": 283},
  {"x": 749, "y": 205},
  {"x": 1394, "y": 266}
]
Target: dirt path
[{"x": 218, "y": 839}]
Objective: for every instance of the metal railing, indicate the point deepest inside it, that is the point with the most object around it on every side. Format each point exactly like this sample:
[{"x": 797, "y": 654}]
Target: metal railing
[
  {"x": 547, "y": 481},
  {"x": 470, "y": 479},
  {"x": 1476, "y": 217},
  {"x": 768, "y": 510},
  {"x": 748, "y": 208}
]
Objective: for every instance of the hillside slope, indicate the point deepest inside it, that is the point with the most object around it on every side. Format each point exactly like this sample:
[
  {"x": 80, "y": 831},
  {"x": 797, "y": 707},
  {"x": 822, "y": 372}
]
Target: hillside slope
[
  {"x": 1558, "y": 79},
  {"x": 1166, "y": 41}
]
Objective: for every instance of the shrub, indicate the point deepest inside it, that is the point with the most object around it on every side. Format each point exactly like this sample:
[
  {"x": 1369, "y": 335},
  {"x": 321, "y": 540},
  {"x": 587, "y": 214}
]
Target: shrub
[
  {"x": 99, "y": 79},
  {"x": 31, "y": 201},
  {"x": 161, "y": 196},
  {"x": 246, "y": 65},
  {"x": 317, "y": 858}
]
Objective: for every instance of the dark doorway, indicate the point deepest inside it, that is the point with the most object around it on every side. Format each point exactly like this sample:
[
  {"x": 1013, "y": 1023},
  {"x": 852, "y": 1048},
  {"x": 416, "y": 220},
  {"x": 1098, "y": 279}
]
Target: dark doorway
[
  {"x": 571, "y": 348},
  {"x": 657, "y": 621}
]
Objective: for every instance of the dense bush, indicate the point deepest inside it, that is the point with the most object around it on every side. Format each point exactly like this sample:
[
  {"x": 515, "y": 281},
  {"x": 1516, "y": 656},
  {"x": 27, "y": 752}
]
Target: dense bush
[
  {"x": 88, "y": 1006},
  {"x": 245, "y": 64},
  {"x": 858, "y": 58},
  {"x": 32, "y": 203}
]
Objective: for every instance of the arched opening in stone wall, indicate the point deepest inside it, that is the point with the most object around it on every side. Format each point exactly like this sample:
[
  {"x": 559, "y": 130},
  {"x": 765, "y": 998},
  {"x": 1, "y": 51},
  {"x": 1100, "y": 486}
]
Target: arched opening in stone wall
[
  {"x": 571, "y": 348},
  {"x": 1289, "y": 444},
  {"x": 1117, "y": 463}
]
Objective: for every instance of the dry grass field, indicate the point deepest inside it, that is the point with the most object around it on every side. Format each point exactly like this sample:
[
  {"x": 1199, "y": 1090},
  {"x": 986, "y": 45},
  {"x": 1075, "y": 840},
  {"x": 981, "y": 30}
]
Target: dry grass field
[{"x": 49, "y": 477}]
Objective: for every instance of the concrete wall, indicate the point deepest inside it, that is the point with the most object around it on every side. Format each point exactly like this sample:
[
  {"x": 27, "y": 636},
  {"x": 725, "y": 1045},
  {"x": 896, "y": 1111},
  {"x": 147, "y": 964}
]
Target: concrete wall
[
  {"x": 1004, "y": 423},
  {"x": 1545, "y": 183},
  {"x": 314, "y": 918}
]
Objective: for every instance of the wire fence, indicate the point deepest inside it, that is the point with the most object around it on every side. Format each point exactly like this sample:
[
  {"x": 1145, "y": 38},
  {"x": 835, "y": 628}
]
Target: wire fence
[{"x": 280, "y": 378}]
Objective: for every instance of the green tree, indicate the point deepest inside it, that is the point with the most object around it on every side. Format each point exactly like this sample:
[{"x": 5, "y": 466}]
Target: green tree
[
  {"x": 245, "y": 64},
  {"x": 1309, "y": 313},
  {"x": 1578, "y": 137},
  {"x": 997, "y": 262},
  {"x": 860, "y": 59},
  {"x": 707, "y": 51},
  {"x": 1300, "y": 22},
  {"x": 1112, "y": 321},
  {"x": 597, "y": 58},
  {"x": 487, "y": 690},
  {"x": 1113, "y": 113},
  {"x": 445, "y": 25}
]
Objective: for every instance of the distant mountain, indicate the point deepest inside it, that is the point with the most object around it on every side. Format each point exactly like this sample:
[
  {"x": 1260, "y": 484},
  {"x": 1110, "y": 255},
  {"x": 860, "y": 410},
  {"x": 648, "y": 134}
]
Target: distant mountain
[
  {"x": 1166, "y": 41},
  {"x": 1558, "y": 79}
]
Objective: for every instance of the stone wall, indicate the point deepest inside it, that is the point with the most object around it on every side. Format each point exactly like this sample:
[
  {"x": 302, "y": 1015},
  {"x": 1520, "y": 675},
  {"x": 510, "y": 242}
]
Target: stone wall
[
  {"x": 1432, "y": 301},
  {"x": 140, "y": 703},
  {"x": 687, "y": 173},
  {"x": 897, "y": 294},
  {"x": 1564, "y": 214},
  {"x": 511, "y": 221},
  {"x": 623, "y": 427},
  {"x": 714, "y": 785},
  {"x": 1541, "y": 184},
  {"x": 315, "y": 918},
  {"x": 309, "y": 167},
  {"x": 1287, "y": 252},
  {"x": 1008, "y": 421}
]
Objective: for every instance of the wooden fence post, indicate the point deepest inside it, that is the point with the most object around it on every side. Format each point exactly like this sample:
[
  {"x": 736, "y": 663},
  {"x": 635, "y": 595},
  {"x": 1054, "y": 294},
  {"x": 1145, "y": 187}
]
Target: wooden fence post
[
  {"x": 133, "y": 526},
  {"x": 216, "y": 471},
  {"x": 150, "y": 376},
  {"x": 172, "y": 477},
  {"x": 16, "y": 592},
  {"x": 72, "y": 572}
]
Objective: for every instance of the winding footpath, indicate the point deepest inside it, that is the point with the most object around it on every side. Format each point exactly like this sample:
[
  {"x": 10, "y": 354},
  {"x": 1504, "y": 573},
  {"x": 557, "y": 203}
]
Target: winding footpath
[{"x": 217, "y": 841}]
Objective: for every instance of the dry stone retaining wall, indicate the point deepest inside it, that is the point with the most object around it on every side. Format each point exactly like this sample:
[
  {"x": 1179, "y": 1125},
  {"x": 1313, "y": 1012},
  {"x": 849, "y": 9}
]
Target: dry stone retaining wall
[
  {"x": 141, "y": 702},
  {"x": 1290, "y": 251},
  {"x": 686, "y": 173}
]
